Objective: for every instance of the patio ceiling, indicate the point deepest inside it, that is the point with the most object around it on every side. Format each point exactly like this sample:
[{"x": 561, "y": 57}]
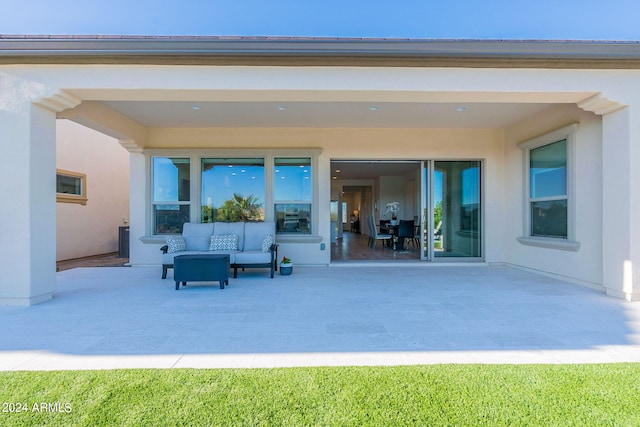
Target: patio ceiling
[{"x": 321, "y": 114}]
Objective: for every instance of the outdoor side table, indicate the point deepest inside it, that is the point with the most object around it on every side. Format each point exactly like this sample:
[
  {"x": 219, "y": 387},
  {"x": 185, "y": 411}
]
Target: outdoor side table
[{"x": 201, "y": 268}]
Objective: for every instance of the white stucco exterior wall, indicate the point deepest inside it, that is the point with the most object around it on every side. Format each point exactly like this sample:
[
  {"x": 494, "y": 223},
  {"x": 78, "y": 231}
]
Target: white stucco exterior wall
[
  {"x": 584, "y": 265},
  {"x": 416, "y": 144},
  {"x": 91, "y": 229}
]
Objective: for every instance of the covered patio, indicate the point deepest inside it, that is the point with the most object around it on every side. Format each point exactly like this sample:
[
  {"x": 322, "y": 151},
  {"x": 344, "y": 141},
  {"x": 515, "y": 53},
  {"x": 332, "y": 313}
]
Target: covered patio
[
  {"x": 114, "y": 317},
  {"x": 199, "y": 101}
]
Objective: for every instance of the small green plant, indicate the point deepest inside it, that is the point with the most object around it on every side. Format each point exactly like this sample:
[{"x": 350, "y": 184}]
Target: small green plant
[{"x": 285, "y": 260}]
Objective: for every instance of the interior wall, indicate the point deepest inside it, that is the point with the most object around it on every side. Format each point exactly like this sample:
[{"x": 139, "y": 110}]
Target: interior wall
[
  {"x": 586, "y": 264},
  {"x": 393, "y": 189},
  {"x": 91, "y": 229}
]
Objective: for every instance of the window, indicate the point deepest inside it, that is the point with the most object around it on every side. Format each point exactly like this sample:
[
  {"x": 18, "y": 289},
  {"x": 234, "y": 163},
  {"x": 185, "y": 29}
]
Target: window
[
  {"x": 292, "y": 194},
  {"x": 548, "y": 190},
  {"x": 71, "y": 187},
  {"x": 229, "y": 185},
  {"x": 232, "y": 190},
  {"x": 171, "y": 194},
  {"x": 549, "y": 213}
]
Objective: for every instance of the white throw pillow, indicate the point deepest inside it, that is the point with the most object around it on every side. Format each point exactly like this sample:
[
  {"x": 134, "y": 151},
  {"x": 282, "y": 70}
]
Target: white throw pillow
[
  {"x": 267, "y": 242},
  {"x": 224, "y": 242},
  {"x": 176, "y": 244}
]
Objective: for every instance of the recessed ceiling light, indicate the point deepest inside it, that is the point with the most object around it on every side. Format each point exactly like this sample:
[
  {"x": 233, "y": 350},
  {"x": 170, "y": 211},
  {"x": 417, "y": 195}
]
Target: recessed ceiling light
[
  {"x": 196, "y": 107},
  {"x": 281, "y": 108},
  {"x": 338, "y": 171},
  {"x": 374, "y": 108},
  {"x": 461, "y": 109}
]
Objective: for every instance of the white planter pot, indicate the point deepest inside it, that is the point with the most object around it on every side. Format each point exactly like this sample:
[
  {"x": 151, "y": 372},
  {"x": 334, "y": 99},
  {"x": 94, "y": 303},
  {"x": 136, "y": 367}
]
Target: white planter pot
[{"x": 286, "y": 269}]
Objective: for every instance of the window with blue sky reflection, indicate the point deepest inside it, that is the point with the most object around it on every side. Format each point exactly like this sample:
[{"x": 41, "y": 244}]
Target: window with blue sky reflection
[
  {"x": 222, "y": 178},
  {"x": 171, "y": 194},
  {"x": 293, "y": 194}
]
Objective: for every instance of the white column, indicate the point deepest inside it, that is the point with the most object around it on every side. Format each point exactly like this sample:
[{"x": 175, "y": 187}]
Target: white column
[
  {"x": 621, "y": 203},
  {"x": 28, "y": 216},
  {"x": 28, "y": 186},
  {"x": 138, "y": 207}
]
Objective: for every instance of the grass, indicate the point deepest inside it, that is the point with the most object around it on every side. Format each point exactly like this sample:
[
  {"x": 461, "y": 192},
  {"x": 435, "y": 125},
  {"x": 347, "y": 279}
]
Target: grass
[{"x": 433, "y": 395}]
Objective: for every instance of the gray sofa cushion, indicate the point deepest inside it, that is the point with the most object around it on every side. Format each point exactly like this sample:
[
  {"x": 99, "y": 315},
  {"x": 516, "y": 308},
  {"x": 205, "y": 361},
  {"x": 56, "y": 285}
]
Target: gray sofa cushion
[
  {"x": 255, "y": 232},
  {"x": 197, "y": 236},
  {"x": 253, "y": 257}
]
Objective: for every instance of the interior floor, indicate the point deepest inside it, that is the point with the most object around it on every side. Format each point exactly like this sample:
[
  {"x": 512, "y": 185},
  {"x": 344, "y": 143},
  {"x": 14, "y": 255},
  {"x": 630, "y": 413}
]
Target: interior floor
[{"x": 355, "y": 247}]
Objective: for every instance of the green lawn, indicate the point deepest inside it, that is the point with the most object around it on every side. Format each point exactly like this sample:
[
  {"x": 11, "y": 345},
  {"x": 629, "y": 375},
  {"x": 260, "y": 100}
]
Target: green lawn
[{"x": 438, "y": 395}]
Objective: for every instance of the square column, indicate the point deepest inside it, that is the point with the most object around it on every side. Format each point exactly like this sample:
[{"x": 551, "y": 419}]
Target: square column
[
  {"x": 138, "y": 207},
  {"x": 28, "y": 184},
  {"x": 28, "y": 217},
  {"x": 621, "y": 204}
]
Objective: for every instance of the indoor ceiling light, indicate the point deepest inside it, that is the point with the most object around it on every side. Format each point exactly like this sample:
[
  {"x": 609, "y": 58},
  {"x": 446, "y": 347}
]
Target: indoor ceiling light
[
  {"x": 374, "y": 108},
  {"x": 461, "y": 109},
  {"x": 281, "y": 108},
  {"x": 196, "y": 107}
]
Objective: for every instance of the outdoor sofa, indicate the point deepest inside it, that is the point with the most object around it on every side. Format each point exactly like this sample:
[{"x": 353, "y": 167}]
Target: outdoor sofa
[{"x": 248, "y": 244}]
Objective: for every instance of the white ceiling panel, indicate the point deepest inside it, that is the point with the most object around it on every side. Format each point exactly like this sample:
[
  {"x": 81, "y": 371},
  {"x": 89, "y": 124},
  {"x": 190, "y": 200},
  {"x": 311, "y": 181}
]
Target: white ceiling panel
[{"x": 325, "y": 114}]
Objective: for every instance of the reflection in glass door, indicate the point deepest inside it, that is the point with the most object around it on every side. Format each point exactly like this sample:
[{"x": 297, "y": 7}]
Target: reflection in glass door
[{"x": 453, "y": 210}]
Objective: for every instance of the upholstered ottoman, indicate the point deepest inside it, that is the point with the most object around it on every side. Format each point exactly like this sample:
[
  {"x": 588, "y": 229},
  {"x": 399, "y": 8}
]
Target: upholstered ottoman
[{"x": 201, "y": 268}]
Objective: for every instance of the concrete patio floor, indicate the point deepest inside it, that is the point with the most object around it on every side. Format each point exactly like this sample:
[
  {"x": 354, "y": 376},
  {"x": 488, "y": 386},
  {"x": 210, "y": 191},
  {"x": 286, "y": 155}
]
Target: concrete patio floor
[{"x": 115, "y": 317}]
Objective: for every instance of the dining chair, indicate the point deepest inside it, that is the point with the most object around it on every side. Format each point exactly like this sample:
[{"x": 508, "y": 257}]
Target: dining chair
[
  {"x": 405, "y": 230},
  {"x": 375, "y": 236}
]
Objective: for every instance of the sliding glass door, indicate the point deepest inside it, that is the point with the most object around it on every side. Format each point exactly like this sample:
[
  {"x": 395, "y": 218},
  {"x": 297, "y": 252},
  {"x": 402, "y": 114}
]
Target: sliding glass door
[{"x": 452, "y": 223}]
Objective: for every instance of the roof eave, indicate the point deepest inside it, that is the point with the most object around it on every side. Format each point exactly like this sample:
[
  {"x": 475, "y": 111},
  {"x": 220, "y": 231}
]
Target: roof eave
[{"x": 128, "y": 48}]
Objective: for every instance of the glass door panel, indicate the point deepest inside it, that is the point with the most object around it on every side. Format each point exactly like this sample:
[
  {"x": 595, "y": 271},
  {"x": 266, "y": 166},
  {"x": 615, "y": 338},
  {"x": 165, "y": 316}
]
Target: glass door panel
[{"x": 457, "y": 210}]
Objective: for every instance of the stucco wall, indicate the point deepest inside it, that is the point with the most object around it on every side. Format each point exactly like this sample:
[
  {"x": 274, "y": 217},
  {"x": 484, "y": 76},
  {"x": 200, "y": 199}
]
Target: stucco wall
[
  {"x": 586, "y": 264},
  {"x": 91, "y": 229}
]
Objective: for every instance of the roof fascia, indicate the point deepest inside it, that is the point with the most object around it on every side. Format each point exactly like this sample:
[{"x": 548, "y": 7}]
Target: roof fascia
[{"x": 318, "y": 51}]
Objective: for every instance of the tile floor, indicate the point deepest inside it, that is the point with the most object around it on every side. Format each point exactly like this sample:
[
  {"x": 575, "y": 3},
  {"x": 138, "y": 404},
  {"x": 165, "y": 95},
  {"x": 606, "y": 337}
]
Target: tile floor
[{"x": 111, "y": 317}]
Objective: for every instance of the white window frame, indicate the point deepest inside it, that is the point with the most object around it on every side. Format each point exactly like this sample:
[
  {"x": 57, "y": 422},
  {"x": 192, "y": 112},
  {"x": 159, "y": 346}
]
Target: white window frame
[
  {"x": 295, "y": 201},
  {"x": 196, "y": 155},
  {"x": 154, "y": 203},
  {"x": 569, "y": 243}
]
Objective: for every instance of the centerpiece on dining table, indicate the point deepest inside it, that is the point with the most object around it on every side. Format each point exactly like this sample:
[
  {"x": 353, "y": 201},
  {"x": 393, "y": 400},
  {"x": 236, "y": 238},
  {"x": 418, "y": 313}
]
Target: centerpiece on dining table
[{"x": 393, "y": 208}]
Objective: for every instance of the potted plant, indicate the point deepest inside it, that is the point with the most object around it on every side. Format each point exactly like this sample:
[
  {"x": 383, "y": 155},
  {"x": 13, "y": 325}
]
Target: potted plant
[{"x": 286, "y": 266}]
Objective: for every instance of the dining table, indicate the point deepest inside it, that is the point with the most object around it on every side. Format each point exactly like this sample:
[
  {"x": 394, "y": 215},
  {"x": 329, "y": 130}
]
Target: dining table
[{"x": 388, "y": 228}]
